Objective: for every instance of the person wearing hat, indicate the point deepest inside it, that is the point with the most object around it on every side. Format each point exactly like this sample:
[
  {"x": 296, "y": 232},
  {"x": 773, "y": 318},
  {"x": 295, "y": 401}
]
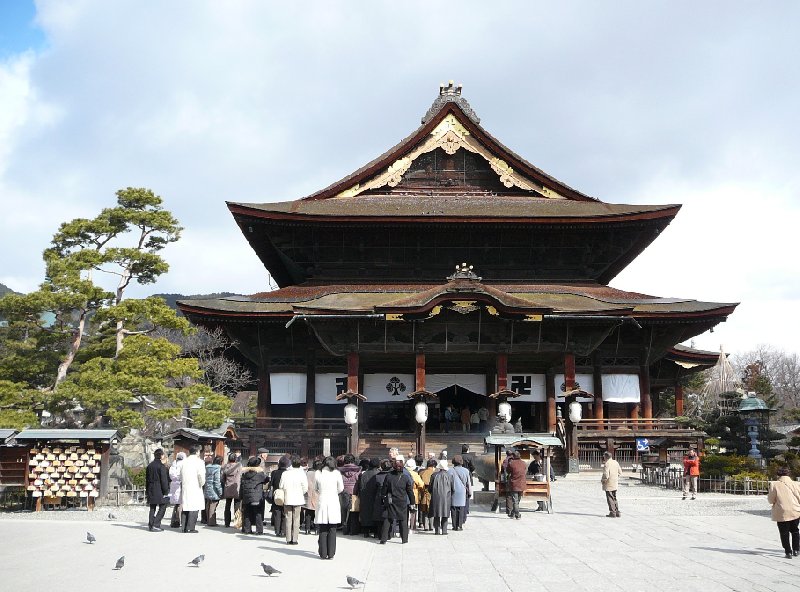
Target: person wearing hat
[{"x": 419, "y": 487}]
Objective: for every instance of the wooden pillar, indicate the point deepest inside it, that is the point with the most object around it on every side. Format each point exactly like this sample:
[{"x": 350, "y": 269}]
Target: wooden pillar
[
  {"x": 569, "y": 371},
  {"x": 633, "y": 411},
  {"x": 597, "y": 379},
  {"x": 352, "y": 386},
  {"x": 644, "y": 392},
  {"x": 502, "y": 371},
  {"x": 311, "y": 387},
  {"x": 678, "y": 398},
  {"x": 550, "y": 390},
  {"x": 264, "y": 402}
]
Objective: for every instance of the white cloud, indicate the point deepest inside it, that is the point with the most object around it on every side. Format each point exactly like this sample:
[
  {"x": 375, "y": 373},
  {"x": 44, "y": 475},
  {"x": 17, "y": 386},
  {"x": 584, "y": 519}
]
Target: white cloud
[{"x": 251, "y": 101}]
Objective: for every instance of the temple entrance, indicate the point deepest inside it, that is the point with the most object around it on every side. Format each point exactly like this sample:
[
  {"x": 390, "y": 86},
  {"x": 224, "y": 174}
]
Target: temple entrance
[{"x": 456, "y": 399}]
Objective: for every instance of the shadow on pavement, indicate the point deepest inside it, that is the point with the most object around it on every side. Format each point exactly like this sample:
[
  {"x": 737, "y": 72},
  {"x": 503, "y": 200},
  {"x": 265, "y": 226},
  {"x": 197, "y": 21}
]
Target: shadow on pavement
[{"x": 736, "y": 551}]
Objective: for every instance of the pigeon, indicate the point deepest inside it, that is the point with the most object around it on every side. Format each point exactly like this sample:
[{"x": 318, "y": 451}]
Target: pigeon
[
  {"x": 111, "y": 516},
  {"x": 269, "y": 570},
  {"x": 354, "y": 583},
  {"x": 120, "y": 563},
  {"x": 198, "y": 560},
  {"x": 90, "y": 538}
]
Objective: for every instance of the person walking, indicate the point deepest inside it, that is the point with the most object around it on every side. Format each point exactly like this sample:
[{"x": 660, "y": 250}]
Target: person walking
[
  {"x": 294, "y": 484},
  {"x": 397, "y": 495},
  {"x": 465, "y": 419},
  {"x": 175, "y": 489},
  {"x": 483, "y": 416},
  {"x": 515, "y": 484},
  {"x": 213, "y": 489},
  {"x": 328, "y": 517},
  {"x": 442, "y": 489},
  {"x": 784, "y": 495},
  {"x": 157, "y": 490},
  {"x": 610, "y": 482},
  {"x": 691, "y": 473},
  {"x": 193, "y": 478},
  {"x": 252, "y": 492},
  {"x": 231, "y": 484}
]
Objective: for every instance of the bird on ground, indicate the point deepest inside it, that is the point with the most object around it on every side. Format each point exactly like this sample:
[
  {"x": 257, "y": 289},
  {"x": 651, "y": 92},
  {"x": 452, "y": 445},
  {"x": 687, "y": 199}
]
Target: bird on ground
[
  {"x": 90, "y": 538},
  {"x": 111, "y": 516},
  {"x": 198, "y": 560},
  {"x": 354, "y": 583},
  {"x": 120, "y": 563},
  {"x": 269, "y": 570}
]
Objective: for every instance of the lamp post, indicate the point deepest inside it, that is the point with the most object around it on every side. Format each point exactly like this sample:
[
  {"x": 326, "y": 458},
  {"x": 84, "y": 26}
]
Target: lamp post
[
  {"x": 755, "y": 416},
  {"x": 351, "y": 418},
  {"x": 421, "y": 415}
]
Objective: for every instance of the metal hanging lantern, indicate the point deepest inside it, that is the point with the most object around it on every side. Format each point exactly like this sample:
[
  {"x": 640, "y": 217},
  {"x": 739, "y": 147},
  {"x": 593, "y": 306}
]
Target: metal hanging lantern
[
  {"x": 504, "y": 409},
  {"x": 350, "y": 414},
  {"x": 421, "y": 412},
  {"x": 575, "y": 412}
]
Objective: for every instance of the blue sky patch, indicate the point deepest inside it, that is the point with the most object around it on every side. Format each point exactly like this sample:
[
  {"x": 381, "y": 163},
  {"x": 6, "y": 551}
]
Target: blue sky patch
[{"x": 18, "y": 32}]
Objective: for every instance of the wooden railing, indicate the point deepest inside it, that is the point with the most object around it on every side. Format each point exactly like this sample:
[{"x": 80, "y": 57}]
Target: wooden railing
[
  {"x": 292, "y": 424},
  {"x": 633, "y": 425}
]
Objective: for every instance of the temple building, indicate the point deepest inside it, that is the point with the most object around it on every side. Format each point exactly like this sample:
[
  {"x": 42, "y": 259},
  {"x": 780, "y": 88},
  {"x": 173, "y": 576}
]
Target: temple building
[{"x": 451, "y": 271}]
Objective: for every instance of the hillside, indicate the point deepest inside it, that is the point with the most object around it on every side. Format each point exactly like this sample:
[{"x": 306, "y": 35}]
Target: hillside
[{"x": 5, "y": 290}]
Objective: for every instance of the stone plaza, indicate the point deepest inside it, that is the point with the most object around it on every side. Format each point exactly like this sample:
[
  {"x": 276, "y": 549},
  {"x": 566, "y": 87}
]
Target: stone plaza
[{"x": 716, "y": 543}]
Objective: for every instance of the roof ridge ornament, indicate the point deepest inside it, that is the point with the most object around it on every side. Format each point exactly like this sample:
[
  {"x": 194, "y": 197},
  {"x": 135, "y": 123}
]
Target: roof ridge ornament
[
  {"x": 464, "y": 272},
  {"x": 450, "y": 93}
]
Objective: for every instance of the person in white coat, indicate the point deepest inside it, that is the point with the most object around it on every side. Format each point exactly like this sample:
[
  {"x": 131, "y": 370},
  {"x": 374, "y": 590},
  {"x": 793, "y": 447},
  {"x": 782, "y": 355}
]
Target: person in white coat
[
  {"x": 329, "y": 484},
  {"x": 193, "y": 478},
  {"x": 175, "y": 489},
  {"x": 294, "y": 484}
]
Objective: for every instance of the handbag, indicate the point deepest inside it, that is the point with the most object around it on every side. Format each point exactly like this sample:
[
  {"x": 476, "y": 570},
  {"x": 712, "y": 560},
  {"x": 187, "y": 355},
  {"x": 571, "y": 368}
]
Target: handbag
[
  {"x": 355, "y": 504},
  {"x": 237, "y": 519},
  {"x": 270, "y": 496},
  {"x": 277, "y": 497}
]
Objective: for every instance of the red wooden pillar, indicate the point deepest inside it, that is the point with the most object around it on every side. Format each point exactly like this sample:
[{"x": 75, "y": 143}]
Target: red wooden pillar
[
  {"x": 550, "y": 391},
  {"x": 569, "y": 371},
  {"x": 264, "y": 401},
  {"x": 502, "y": 371},
  {"x": 419, "y": 380},
  {"x": 678, "y": 398},
  {"x": 633, "y": 411},
  {"x": 644, "y": 394}
]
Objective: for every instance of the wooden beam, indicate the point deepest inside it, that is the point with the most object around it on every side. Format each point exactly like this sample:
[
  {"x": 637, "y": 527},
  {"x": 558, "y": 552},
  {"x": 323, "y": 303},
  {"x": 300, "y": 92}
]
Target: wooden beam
[
  {"x": 264, "y": 401},
  {"x": 550, "y": 390},
  {"x": 569, "y": 370},
  {"x": 678, "y": 398},
  {"x": 419, "y": 380},
  {"x": 502, "y": 371},
  {"x": 597, "y": 379},
  {"x": 352, "y": 372}
]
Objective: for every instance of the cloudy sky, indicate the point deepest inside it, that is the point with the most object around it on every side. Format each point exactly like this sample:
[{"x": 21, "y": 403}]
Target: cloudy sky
[{"x": 630, "y": 102}]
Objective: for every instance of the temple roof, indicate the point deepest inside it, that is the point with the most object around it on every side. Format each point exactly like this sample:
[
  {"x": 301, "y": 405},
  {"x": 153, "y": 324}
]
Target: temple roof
[{"x": 587, "y": 298}]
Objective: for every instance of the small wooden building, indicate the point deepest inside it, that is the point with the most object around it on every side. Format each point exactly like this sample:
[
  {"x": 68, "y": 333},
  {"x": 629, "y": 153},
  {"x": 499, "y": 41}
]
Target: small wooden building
[
  {"x": 60, "y": 467},
  {"x": 184, "y": 438}
]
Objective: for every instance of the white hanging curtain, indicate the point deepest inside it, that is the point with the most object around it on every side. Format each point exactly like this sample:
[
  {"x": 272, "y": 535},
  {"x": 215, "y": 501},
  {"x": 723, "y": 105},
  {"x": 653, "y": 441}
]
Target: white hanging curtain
[
  {"x": 621, "y": 388},
  {"x": 379, "y": 388},
  {"x": 531, "y": 387},
  {"x": 287, "y": 388},
  {"x": 327, "y": 386}
]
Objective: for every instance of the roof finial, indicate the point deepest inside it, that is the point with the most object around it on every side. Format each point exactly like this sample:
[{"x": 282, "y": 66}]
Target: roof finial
[
  {"x": 464, "y": 272},
  {"x": 451, "y": 89}
]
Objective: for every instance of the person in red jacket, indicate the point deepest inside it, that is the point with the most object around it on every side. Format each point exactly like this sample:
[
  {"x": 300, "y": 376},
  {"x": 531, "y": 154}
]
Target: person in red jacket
[{"x": 691, "y": 472}]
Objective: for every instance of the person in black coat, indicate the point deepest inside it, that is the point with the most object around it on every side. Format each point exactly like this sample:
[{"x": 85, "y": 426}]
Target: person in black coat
[
  {"x": 274, "y": 483},
  {"x": 376, "y": 489},
  {"x": 366, "y": 491},
  {"x": 251, "y": 489},
  {"x": 397, "y": 494},
  {"x": 157, "y": 490}
]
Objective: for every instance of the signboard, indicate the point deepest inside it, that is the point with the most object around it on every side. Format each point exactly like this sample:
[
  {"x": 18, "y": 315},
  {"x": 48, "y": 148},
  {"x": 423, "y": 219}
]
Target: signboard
[
  {"x": 380, "y": 388},
  {"x": 642, "y": 445}
]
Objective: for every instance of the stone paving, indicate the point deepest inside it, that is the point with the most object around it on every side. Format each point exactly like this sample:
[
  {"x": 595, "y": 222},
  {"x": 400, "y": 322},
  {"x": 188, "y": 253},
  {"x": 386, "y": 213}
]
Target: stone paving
[{"x": 661, "y": 543}]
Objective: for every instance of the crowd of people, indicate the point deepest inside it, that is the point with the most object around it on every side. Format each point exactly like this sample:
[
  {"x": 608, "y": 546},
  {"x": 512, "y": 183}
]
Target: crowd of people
[{"x": 373, "y": 498}]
